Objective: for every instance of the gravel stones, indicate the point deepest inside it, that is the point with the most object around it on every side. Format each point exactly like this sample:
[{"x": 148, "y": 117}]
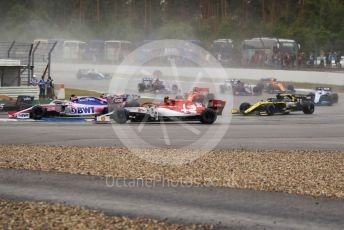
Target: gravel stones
[
  {"x": 309, "y": 172},
  {"x": 40, "y": 215}
]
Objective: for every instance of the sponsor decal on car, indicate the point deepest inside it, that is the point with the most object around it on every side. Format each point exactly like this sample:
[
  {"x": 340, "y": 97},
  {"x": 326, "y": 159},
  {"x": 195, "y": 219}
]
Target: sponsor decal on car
[
  {"x": 23, "y": 115},
  {"x": 82, "y": 110}
]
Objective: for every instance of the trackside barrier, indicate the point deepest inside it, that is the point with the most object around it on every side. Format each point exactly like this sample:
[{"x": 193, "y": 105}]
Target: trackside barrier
[
  {"x": 15, "y": 91},
  {"x": 59, "y": 90}
]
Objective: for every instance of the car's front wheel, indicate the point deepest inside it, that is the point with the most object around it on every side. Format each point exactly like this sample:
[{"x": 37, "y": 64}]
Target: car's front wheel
[
  {"x": 334, "y": 98},
  {"x": 37, "y": 112},
  {"x": 120, "y": 116},
  {"x": 308, "y": 108},
  {"x": 141, "y": 87},
  {"x": 222, "y": 89},
  {"x": 208, "y": 116},
  {"x": 243, "y": 107}
]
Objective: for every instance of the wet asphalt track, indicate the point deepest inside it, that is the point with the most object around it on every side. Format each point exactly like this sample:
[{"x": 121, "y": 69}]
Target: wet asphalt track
[
  {"x": 223, "y": 207},
  {"x": 322, "y": 130}
]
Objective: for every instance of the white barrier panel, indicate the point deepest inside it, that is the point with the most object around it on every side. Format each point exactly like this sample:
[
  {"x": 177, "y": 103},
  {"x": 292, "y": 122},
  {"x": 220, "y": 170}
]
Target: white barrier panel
[
  {"x": 15, "y": 91},
  {"x": 59, "y": 90},
  {"x": 9, "y": 62}
]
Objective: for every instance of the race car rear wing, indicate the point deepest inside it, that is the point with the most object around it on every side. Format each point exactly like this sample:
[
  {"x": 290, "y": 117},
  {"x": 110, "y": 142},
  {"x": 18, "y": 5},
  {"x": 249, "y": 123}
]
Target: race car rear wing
[
  {"x": 309, "y": 97},
  {"x": 200, "y": 89},
  {"x": 217, "y": 106},
  {"x": 323, "y": 88}
]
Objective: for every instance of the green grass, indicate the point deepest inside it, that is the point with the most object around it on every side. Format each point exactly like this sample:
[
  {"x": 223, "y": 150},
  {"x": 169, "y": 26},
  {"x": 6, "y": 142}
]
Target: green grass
[{"x": 80, "y": 92}]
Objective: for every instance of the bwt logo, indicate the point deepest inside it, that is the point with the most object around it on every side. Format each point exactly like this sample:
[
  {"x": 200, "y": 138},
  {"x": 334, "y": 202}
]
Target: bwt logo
[{"x": 82, "y": 110}]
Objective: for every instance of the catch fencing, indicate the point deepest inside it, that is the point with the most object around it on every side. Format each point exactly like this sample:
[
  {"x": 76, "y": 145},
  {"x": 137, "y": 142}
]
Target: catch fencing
[{"x": 35, "y": 58}]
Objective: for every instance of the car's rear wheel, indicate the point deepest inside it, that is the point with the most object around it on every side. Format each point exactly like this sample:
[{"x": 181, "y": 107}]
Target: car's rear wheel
[
  {"x": 141, "y": 87},
  {"x": 222, "y": 89},
  {"x": 120, "y": 116},
  {"x": 257, "y": 91},
  {"x": 308, "y": 108},
  {"x": 291, "y": 88},
  {"x": 270, "y": 109},
  {"x": 260, "y": 86},
  {"x": 270, "y": 89},
  {"x": 334, "y": 98},
  {"x": 208, "y": 116},
  {"x": 37, "y": 112},
  {"x": 174, "y": 89},
  {"x": 326, "y": 99},
  {"x": 132, "y": 103}
]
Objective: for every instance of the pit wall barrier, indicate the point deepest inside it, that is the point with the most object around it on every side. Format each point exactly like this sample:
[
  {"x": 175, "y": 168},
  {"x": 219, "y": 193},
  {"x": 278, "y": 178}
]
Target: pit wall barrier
[{"x": 15, "y": 91}]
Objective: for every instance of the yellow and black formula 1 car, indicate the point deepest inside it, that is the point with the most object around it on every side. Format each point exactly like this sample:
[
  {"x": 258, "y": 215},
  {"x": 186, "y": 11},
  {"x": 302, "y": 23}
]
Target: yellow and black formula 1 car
[{"x": 283, "y": 104}]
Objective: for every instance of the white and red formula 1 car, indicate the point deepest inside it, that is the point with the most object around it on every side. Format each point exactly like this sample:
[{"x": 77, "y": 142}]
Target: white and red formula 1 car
[
  {"x": 189, "y": 109},
  {"x": 78, "y": 106}
]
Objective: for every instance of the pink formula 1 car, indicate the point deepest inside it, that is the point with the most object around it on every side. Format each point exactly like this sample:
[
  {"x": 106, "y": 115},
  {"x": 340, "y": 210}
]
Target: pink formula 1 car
[{"x": 78, "y": 106}]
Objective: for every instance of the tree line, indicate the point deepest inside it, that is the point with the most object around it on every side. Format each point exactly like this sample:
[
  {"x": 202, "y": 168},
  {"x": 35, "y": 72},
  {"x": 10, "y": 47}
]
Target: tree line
[{"x": 316, "y": 24}]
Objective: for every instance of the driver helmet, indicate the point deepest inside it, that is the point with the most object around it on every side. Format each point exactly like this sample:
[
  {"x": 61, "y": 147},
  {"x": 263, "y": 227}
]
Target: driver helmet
[
  {"x": 287, "y": 99},
  {"x": 279, "y": 97},
  {"x": 166, "y": 99},
  {"x": 73, "y": 97}
]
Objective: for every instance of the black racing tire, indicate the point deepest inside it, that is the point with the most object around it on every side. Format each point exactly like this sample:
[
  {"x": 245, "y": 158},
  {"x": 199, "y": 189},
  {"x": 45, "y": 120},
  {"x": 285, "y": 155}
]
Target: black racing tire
[
  {"x": 120, "y": 116},
  {"x": 327, "y": 99},
  {"x": 270, "y": 109},
  {"x": 208, "y": 116},
  {"x": 223, "y": 88},
  {"x": 99, "y": 77},
  {"x": 334, "y": 98},
  {"x": 260, "y": 86},
  {"x": 105, "y": 111},
  {"x": 132, "y": 103},
  {"x": 256, "y": 90},
  {"x": 174, "y": 89},
  {"x": 244, "y": 106},
  {"x": 141, "y": 87},
  {"x": 291, "y": 88},
  {"x": 308, "y": 108},
  {"x": 210, "y": 96},
  {"x": 37, "y": 112},
  {"x": 270, "y": 89}
]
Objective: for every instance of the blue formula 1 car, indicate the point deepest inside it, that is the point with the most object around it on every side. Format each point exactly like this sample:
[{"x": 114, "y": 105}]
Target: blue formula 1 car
[
  {"x": 93, "y": 74},
  {"x": 325, "y": 96},
  {"x": 240, "y": 88}
]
